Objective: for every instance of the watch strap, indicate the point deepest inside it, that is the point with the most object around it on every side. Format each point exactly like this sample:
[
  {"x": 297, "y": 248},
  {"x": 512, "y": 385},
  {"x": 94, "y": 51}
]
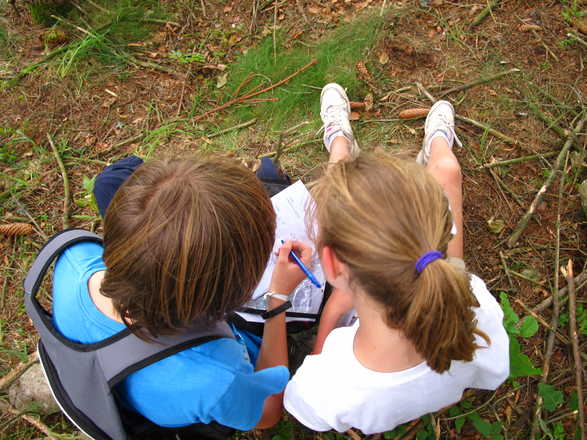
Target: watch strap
[{"x": 276, "y": 311}]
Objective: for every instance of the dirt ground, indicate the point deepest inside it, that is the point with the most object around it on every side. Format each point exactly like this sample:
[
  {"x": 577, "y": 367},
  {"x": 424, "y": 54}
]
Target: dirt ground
[{"x": 103, "y": 114}]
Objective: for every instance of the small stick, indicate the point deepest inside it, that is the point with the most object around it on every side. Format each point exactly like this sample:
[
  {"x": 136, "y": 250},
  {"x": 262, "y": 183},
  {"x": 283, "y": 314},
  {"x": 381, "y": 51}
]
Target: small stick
[
  {"x": 203, "y": 5},
  {"x": 301, "y": 11},
  {"x": 580, "y": 281},
  {"x": 555, "y": 312},
  {"x": 494, "y": 132},
  {"x": 259, "y": 100},
  {"x": 282, "y": 134},
  {"x": 577, "y": 38},
  {"x": 484, "y": 13},
  {"x": 274, "y": 31},
  {"x": 250, "y": 95},
  {"x": 542, "y": 321},
  {"x": 23, "y": 209},
  {"x": 506, "y": 269},
  {"x": 563, "y": 134},
  {"x": 293, "y": 147},
  {"x": 352, "y": 434},
  {"x": 518, "y": 160},
  {"x": 538, "y": 198},
  {"x": 18, "y": 371},
  {"x": 236, "y": 127},
  {"x": 244, "y": 82},
  {"x": 30, "y": 419},
  {"x": 479, "y": 81},
  {"x": 575, "y": 341},
  {"x": 66, "y": 196}
]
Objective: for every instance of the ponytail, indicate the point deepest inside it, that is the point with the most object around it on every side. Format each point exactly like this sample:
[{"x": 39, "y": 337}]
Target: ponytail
[
  {"x": 439, "y": 320},
  {"x": 380, "y": 215}
]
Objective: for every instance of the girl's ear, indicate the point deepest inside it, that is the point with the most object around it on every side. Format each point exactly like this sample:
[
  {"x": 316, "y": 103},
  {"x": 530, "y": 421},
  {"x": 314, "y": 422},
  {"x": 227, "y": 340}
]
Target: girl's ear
[{"x": 335, "y": 270}]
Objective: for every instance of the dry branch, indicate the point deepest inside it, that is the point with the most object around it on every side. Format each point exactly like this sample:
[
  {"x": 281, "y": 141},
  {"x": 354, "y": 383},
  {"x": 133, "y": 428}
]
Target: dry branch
[
  {"x": 236, "y": 127},
  {"x": 479, "y": 82},
  {"x": 250, "y": 95},
  {"x": 555, "y": 313},
  {"x": 30, "y": 419},
  {"x": 493, "y": 131},
  {"x": 575, "y": 342},
  {"x": 18, "y": 371},
  {"x": 538, "y": 198},
  {"x": 518, "y": 160},
  {"x": 580, "y": 281},
  {"x": 66, "y": 193}
]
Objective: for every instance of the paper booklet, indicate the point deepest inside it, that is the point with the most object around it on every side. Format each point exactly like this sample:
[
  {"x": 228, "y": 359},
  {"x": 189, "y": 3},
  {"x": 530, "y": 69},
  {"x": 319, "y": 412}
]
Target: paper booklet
[{"x": 290, "y": 207}]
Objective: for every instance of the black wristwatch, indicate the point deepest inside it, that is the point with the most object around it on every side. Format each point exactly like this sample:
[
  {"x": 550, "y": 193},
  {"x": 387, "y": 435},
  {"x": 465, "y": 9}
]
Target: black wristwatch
[{"x": 277, "y": 310}]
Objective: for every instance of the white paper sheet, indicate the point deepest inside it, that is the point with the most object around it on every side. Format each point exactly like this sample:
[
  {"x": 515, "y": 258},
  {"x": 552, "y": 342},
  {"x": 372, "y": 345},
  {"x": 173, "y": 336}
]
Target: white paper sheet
[{"x": 290, "y": 207}]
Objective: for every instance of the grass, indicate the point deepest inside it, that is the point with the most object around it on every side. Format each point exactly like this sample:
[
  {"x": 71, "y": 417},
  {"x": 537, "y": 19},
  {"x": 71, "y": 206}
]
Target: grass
[
  {"x": 107, "y": 35},
  {"x": 297, "y": 101}
]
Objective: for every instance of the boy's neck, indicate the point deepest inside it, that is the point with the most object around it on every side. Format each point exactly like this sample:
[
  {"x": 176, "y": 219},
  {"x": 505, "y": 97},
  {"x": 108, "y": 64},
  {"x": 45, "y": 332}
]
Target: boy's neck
[
  {"x": 102, "y": 303},
  {"x": 377, "y": 346}
]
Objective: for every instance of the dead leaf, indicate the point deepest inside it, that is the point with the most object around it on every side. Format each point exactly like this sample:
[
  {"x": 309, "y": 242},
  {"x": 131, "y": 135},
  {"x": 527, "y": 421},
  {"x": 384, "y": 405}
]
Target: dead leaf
[
  {"x": 221, "y": 81},
  {"x": 495, "y": 225},
  {"x": 383, "y": 58}
]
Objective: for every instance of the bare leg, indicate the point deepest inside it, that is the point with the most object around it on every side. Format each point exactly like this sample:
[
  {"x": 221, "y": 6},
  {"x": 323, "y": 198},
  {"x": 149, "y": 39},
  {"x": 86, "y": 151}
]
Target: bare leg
[
  {"x": 445, "y": 168},
  {"x": 339, "y": 150}
]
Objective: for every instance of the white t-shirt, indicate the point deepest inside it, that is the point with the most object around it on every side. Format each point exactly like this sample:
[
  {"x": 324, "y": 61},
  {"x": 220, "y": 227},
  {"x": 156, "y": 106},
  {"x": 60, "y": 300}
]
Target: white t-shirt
[{"x": 333, "y": 390}]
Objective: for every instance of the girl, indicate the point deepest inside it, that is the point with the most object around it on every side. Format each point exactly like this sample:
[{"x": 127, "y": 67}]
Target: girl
[
  {"x": 183, "y": 240},
  {"x": 426, "y": 330}
]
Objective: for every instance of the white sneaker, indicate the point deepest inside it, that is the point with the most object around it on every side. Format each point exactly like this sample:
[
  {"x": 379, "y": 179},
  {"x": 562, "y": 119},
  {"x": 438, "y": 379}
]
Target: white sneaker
[
  {"x": 441, "y": 118},
  {"x": 335, "y": 110}
]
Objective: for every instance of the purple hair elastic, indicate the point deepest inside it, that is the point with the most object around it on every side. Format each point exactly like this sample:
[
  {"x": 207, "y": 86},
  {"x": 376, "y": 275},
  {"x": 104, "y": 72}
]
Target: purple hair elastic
[{"x": 426, "y": 259}]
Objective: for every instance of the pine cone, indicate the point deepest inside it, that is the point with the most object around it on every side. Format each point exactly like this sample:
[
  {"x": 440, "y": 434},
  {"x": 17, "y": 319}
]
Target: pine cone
[{"x": 16, "y": 229}]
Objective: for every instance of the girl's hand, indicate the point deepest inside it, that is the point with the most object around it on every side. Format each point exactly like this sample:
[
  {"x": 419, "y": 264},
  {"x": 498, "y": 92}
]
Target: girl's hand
[{"x": 287, "y": 274}]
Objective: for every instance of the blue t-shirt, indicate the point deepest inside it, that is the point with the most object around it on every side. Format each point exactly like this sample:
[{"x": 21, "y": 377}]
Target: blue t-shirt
[{"x": 214, "y": 381}]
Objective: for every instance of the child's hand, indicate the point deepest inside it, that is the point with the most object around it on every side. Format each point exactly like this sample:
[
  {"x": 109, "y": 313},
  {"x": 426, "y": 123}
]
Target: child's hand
[{"x": 287, "y": 274}]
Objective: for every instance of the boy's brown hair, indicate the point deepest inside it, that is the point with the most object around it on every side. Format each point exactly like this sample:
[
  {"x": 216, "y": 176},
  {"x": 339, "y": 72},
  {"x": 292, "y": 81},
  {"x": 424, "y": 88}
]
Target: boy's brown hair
[
  {"x": 185, "y": 239},
  {"x": 379, "y": 214}
]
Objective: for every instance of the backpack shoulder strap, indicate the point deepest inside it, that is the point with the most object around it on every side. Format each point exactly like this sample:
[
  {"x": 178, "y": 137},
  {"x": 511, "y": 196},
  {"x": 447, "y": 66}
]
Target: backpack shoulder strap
[
  {"x": 129, "y": 354},
  {"x": 46, "y": 256}
]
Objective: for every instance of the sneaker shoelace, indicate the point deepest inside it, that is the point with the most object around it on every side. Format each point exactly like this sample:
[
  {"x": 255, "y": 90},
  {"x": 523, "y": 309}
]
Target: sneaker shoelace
[
  {"x": 451, "y": 129},
  {"x": 333, "y": 116}
]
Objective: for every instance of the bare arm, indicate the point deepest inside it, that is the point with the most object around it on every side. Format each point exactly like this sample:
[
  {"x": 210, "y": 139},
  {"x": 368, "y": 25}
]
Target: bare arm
[
  {"x": 286, "y": 276},
  {"x": 337, "y": 305}
]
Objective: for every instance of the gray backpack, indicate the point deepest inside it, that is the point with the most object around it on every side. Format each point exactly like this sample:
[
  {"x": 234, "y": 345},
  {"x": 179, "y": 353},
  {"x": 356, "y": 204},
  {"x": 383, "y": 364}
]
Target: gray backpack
[{"x": 83, "y": 377}]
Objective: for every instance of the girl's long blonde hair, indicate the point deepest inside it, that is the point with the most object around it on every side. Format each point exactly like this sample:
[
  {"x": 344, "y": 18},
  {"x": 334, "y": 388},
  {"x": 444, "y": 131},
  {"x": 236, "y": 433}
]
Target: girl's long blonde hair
[{"x": 379, "y": 214}]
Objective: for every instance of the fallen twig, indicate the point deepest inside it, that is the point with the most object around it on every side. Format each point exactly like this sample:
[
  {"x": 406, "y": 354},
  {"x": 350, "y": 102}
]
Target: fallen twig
[
  {"x": 506, "y": 269},
  {"x": 518, "y": 160},
  {"x": 555, "y": 311},
  {"x": 66, "y": 193},
  {"x": 493, "y": 131},
  {"x": 575, "y": 343},
  {"x": 577, "y": 38},
  {"x": 478, "y": 82},
  {"x": 293, "y": 147},
  {"x": 484, "y": 13},
  {"x": 282, "y": 134},
  {"x": 250, "y": 95},
  {"x": 542, "y": 321},
  {"x": 552, "y": 125},
  {"x": 580, "y": 281},
  {"x": 236, "y": 127},
  {"x": 30, "y": 419},
  {"x": 538, "y": 198},
  {"x": 18, "y": 371}
]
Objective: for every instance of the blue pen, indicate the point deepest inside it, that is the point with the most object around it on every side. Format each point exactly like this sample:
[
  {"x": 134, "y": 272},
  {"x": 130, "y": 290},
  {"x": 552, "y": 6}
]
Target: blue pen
[{"x": 299, "y": 262}]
